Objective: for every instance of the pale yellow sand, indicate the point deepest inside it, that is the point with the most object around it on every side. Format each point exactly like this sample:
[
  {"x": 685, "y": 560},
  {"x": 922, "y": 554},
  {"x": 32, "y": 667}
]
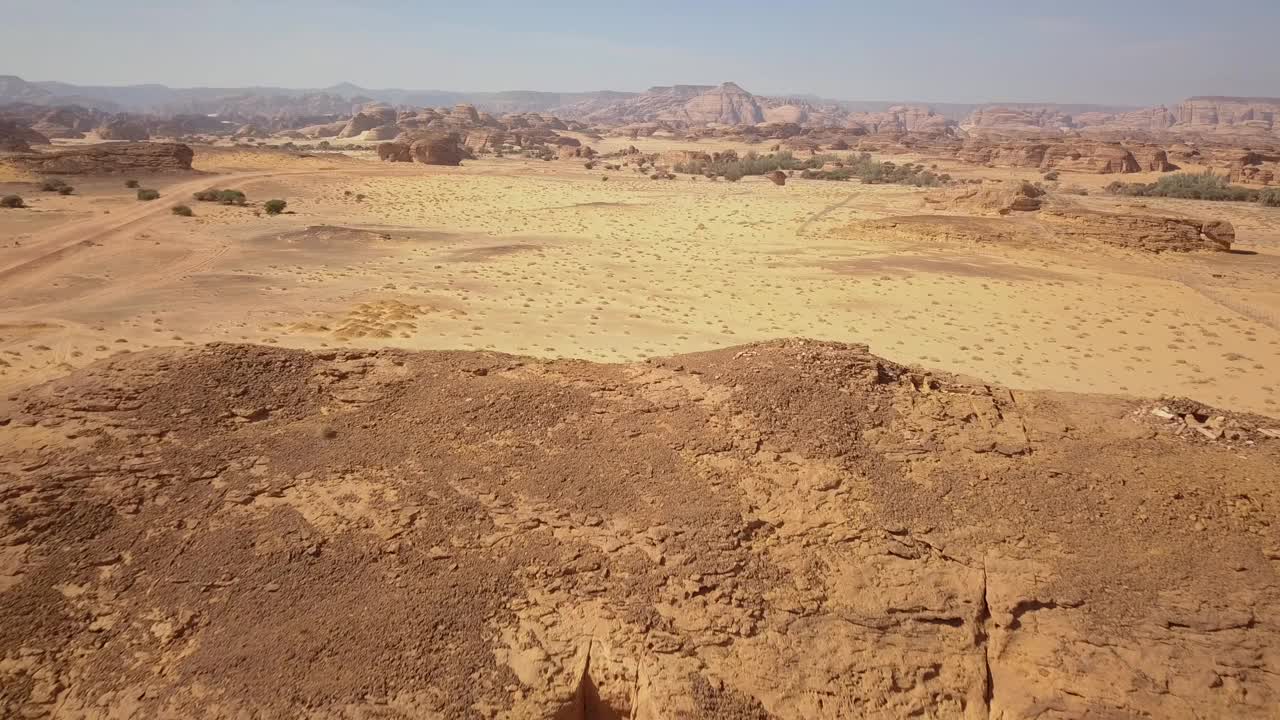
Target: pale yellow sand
[{"x": 550, "y": 259}]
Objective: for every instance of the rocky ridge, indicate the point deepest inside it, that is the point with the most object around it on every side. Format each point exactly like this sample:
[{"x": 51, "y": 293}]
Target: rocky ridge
[
  {"x": 792, "y": 529},
  {"x": 105, "y": 159}
]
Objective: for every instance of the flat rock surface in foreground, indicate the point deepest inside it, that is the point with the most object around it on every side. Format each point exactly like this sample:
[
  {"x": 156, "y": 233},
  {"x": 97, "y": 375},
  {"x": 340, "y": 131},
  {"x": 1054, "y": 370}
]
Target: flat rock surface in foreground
[{"x": 791, "y": 529}]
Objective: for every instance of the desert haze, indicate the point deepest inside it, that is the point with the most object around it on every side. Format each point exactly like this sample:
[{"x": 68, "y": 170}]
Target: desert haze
[{"x": 688, "y": 402}]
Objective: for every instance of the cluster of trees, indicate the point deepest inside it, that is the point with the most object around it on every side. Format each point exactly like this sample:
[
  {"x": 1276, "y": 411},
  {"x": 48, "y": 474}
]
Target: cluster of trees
[
  {"x": 858, "y": 166},
  {"x": 1197, "y": 186}
]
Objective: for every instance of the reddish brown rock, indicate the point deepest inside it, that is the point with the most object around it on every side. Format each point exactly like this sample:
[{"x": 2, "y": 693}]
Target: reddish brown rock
[
  {"x": 394, "y": 152},
  {"x": 777, "y": 177},
  {"x": 438, "y": 149}
]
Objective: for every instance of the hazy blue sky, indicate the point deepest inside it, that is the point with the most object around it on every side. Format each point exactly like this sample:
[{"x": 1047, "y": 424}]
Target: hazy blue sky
[{"x": 1116, "y": 51}]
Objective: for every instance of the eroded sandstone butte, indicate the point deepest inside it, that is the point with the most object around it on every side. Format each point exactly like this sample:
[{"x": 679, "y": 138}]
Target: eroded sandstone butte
[
  {"x": 107, "y": 158},
  {"x": 788, "y": 530}
]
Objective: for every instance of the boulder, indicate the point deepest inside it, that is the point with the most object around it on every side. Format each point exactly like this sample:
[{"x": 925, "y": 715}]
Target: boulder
[
  {"x": 777, "y": 177},
  {"x": 107, "y": 159}
]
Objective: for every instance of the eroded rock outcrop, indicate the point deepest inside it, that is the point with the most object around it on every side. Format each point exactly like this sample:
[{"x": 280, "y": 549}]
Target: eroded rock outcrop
[
  {"x": 794, "y": 530},
  {"x": 1151, "y": 233},
  {"x": 106, "y": 159},
  {"x": 124, "y": 127},
  {"x": 438, "y": 149},
  {"x": 15, "y": 137},
  {"x": 367, "y": 119}
]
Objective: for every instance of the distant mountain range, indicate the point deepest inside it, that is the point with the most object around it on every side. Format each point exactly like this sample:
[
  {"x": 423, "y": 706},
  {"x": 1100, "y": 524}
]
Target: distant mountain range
[
  {"x": 161, "y": 99},
  {"x": 672, "y": 106}
]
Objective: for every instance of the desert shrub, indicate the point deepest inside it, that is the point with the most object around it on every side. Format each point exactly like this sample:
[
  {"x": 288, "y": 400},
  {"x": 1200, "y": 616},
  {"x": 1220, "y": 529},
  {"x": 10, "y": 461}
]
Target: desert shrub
[
  {"x": 66, "y": 190},
  {"x": 225, "y": 197},
  {"x": 274, "y": 207},
  {"x": 1269, "y": 197},
  {"x": 732, "y": 173},
  {"x": 131, "y": 184},
  {"x": 11, "y": 201},
  {"x": 53, "y": 185},
  {"x": 147, "y": 194},
  {"x": 1051, "y": 176},
  {"x": 231, "y": 197},
  {"x": 181, "y": 210},
  {"x": 1187, "y": 186}
]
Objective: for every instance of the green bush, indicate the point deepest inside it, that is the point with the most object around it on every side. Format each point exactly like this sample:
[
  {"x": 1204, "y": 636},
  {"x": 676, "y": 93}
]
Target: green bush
[
  {"x": 1269, "y": 197},
  {"x": 225, "y": 197},
  {"x": 53, "y": 185},
  {"x": 146, "y": 194},
  {"x": 231, "y": 197},
  {"x": 1187, "y": 186},
  {"x": 181, "y": 210},
  {"x": 11, "y": 201},
  {"x": 859, "y": 165},
  {"x": 131, "y": 184},
  {"x": 274, "y": 207}
]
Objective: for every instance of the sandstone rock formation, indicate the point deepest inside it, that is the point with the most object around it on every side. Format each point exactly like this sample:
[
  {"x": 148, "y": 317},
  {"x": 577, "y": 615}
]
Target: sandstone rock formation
[
  {"x": 324, "y": 130},
  {"x": 727, "y": 104},
  {"x": 792, "y": 530},
  {"x": 1150, "y": 233},
  {"x": 394, "y": 152},
  {"x": 777, "y": 177},
  {"x": 1151, "y": 158},
  {"x": 124, "y": 127},
  {"x": 368, "y": 118},
  {"x": 1000, "y": 199},
  {"x": 1231, "y": 114},
  {"x": 438, "y": 149},
  {"x": 1024, "y": 118},
  {"x": 65, "y": 123},
  {"x": 1075, "y": 155},
  {"x": 19, "y": 138},
  {"x": 106, "y": 159}
]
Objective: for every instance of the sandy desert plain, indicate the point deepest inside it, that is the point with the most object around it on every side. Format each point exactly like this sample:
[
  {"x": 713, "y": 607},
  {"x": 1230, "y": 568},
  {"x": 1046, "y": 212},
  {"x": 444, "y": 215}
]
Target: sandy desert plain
[
  {"x": 551, "y": 260},
  {"x": 528, "y": 438}
]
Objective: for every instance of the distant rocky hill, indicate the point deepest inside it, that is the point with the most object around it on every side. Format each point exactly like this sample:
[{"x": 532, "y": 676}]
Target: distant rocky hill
[
  {"x": 1201, "y": 114},
  {"x": 670, "y": 106}
]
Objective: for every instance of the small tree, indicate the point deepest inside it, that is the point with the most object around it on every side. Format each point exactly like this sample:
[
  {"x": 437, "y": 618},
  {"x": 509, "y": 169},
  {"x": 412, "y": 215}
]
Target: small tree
[
  {"x": 131, "y": 184},
  {"x": 181, "y": 210},
  {"x": 146, "y": 194},
  {"x": 11, "y": 201},
  {"x": 53, "y": 185},
  {"x": 274, "y": 207}
]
